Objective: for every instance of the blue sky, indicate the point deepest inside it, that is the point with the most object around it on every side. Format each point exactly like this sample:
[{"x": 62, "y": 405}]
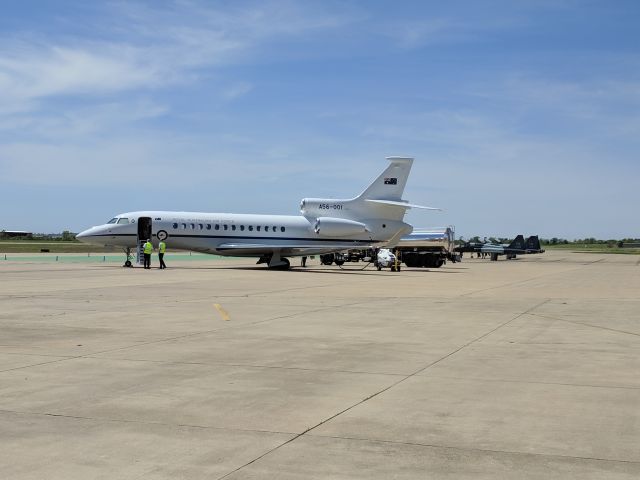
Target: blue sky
[{"x": 523, "y": 116}]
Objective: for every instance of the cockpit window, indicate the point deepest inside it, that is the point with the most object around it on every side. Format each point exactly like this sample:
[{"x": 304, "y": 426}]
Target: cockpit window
[
  {"x": 113, "y": 220},
  {"x": 123, "y": 220}
]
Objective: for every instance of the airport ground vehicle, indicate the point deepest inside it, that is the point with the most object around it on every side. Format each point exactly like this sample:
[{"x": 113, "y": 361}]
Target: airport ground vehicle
[
  {"x": 338, "y": 258},
  {"x": 354, "y": 255},
  {"x": 428, "y": 248},
  {"x": 386, "y": 259}
]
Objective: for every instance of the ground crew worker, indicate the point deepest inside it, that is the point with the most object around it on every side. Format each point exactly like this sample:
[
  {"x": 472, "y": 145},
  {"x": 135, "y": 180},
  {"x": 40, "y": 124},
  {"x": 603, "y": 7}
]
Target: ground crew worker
[
  {"x": 147, "y": 249},
  {"x": 162, "y": 247}
]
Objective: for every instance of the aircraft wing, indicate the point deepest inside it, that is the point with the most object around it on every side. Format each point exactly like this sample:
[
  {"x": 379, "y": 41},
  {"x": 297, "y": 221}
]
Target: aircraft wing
[{"x": 303, "y": 248}]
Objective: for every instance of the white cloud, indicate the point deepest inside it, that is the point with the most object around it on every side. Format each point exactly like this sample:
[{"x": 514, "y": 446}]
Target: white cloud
[
  {"x": 237, "y": 90},
  {"x": 151, "y": 47},
  {"x": 412, "y": 34},
  {"x": 81, "y": 123}
]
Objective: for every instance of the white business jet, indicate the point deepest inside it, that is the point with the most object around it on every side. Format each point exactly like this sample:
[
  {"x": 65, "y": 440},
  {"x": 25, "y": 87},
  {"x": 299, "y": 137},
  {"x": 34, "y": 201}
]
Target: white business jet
[{"x": 373, "y": 218}]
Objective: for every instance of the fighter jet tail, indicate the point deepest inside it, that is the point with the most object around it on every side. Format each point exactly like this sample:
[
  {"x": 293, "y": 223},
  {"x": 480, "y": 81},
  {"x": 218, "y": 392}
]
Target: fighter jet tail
[
  {"x": 532, "y": 245},
  {"x": 517, "y": 243}
]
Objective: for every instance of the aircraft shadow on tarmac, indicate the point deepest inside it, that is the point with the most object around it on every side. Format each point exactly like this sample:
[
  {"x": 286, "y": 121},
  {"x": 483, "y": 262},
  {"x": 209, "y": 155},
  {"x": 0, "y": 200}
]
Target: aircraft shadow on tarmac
[{"x": 318, "y": 270}]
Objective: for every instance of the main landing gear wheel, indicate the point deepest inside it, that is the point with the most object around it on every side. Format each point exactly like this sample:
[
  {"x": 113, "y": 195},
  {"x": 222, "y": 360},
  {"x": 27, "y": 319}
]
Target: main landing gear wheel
[{"x": 282, "y": 265}]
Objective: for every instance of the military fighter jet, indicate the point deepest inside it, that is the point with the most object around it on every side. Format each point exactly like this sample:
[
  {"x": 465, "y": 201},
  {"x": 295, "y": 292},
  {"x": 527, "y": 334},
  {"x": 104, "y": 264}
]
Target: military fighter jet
[{"x": 517, "y": 247}]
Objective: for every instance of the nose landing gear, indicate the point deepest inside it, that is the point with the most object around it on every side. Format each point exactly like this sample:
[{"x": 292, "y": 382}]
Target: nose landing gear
[{"x": 127, "y": 252}]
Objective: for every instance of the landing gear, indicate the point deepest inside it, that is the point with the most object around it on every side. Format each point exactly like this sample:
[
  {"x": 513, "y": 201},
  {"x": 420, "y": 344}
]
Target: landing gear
[
  {"x": 275, "y": 262},
  {"x": 282, "y": 265},
  {"x": 127, "y": 262}
]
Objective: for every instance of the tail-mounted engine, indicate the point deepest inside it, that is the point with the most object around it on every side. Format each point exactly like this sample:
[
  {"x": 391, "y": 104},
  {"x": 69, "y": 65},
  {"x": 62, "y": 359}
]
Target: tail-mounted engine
[{"x": 338, "y": 227}]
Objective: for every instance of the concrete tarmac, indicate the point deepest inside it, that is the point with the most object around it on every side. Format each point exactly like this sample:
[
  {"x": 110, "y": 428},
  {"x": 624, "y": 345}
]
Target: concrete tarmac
[{"x": 479, "y": 370}]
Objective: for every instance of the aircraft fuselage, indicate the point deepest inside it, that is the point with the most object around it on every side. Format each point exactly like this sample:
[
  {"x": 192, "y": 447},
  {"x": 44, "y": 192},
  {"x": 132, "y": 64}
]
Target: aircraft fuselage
[{"x": 231, "y": 234}]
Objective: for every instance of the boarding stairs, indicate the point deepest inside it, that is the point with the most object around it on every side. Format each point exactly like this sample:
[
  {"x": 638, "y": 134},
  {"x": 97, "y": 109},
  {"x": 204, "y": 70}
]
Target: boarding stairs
[{"x": 140, "y": 252}]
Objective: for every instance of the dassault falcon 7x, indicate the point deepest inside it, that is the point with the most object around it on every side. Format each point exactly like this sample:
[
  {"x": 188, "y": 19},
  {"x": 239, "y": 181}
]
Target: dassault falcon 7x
[{"x": 373, "y": 218}]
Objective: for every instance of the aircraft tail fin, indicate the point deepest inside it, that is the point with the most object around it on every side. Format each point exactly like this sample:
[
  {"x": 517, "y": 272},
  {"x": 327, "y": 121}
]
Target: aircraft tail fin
[
  {"x": 384, "y": 194},
  {"x": 533, "y": 244},
  {"x": 382, "y": 199},
  {"x": 391, "y": 182},
  {"x": 517, "y": 243}
]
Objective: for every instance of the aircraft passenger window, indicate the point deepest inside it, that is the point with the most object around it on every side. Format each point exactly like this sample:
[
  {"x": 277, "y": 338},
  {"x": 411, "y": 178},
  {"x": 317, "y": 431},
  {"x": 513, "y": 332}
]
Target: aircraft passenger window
[
  {"x": 274, "y": 229},
  {"x": 175, "y": 225},
  {"x": 242, "y": 228},
  {"x": 217, "y": 226},
  {"x": 282, "y": 229},
  {"x": 250, "y": 228},
  {"x": 258, "y": 228},
  {"x": 226, "y": 227},
  {"x": 208, "y": 226},
  {"x": 233, "y": 227},
  {"x": 113, "y": 220},
  {"x": 184, "y": 226},
  {"x": 123, "y": 220},
  {"x": 266, "y": 228},
  {"x": 193, "y": 226},
  {"x": 201, "y": 226}
]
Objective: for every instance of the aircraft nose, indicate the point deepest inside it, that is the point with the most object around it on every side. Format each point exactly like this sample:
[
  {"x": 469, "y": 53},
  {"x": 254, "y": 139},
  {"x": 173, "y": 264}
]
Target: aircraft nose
[
  {"x": 82, "y": 236},
  {"x": 86, "y": 235}
]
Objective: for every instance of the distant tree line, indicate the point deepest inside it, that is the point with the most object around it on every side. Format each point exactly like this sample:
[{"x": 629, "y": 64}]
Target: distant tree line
[
  {"x": 65, "y": 236},
  {"x": 620, "y": 243}
]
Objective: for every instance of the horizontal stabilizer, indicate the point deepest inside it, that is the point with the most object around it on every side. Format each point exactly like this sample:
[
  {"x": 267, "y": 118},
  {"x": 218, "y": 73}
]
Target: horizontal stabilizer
[{"x": 400, "y": 204}]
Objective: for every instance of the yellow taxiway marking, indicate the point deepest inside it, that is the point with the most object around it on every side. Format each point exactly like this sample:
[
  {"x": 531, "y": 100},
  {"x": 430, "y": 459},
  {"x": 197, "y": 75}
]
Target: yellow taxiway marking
[{"x": 223, "y": 313}]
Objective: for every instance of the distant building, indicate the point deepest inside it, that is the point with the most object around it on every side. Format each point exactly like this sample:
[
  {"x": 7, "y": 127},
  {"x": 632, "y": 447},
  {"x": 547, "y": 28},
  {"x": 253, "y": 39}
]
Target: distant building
[{"x": 15, "y": 234}]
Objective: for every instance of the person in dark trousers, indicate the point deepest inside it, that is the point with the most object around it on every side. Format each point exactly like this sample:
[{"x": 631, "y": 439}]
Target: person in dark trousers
[
  {"x": 147, "y": 249},
  {"x": 304, "y": 261},
  {"x": 162, "y": 247}
]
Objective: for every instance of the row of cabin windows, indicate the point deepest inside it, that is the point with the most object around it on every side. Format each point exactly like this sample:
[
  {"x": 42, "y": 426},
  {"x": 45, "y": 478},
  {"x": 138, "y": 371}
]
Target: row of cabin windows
[{"x": 224, "y": 226}]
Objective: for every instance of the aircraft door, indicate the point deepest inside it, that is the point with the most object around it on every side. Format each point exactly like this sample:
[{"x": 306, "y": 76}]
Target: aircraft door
[
  {"x": 144, "y": 228},
  {"x": 144, "y": 233}
]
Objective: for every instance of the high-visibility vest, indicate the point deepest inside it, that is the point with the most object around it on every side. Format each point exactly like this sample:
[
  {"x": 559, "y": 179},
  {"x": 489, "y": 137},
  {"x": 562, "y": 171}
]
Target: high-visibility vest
[
  {"x": 148, "y": 248},
  {"x": 162, "y": 246}
]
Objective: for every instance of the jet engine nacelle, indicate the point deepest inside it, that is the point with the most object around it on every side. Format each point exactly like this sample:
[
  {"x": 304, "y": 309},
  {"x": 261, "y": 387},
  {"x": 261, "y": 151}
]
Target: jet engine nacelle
[{"x": 338, "y": 227}]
